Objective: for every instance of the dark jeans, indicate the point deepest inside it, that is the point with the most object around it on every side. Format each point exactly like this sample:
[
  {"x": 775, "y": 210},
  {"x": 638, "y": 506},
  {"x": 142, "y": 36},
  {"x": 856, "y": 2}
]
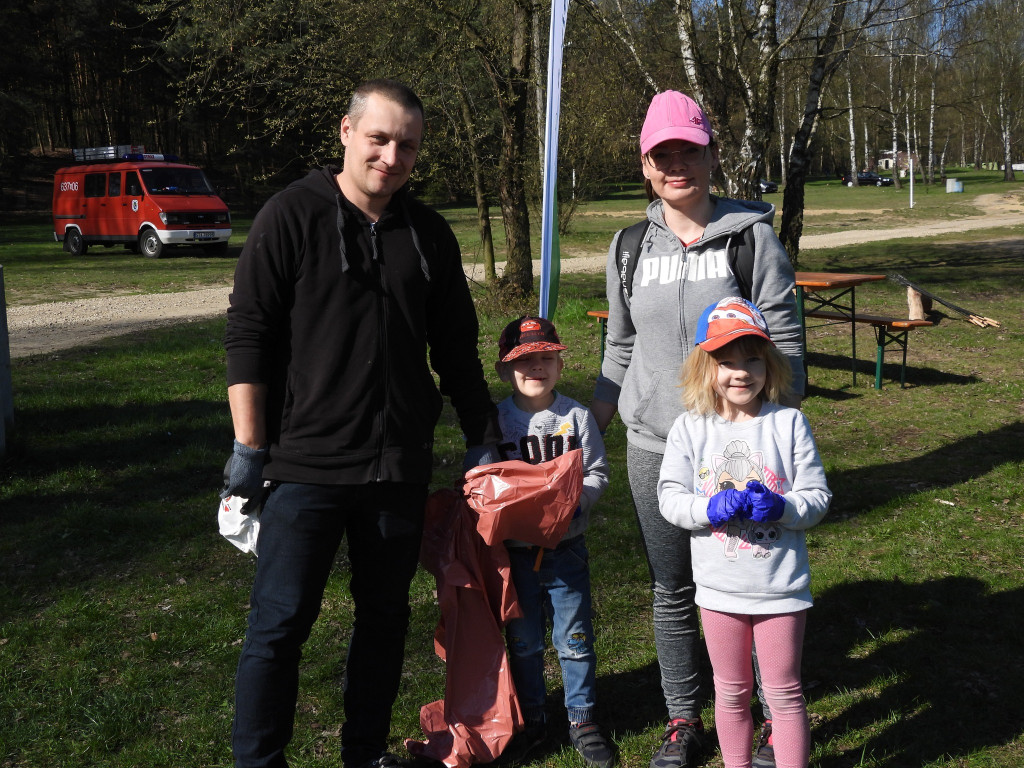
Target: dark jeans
[{"x": 301, "y": 528}]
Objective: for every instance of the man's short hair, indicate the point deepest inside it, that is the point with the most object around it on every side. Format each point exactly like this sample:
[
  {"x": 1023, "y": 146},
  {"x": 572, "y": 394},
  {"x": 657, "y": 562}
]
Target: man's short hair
[{"x": 392, "y": 90}]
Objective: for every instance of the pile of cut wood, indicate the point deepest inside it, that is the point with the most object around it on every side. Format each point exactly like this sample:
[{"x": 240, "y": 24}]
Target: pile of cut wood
[{"x": 919, "y": 302}]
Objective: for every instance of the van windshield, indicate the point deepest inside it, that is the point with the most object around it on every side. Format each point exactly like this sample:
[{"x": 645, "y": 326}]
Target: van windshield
[{"x": 176, "y": 181}]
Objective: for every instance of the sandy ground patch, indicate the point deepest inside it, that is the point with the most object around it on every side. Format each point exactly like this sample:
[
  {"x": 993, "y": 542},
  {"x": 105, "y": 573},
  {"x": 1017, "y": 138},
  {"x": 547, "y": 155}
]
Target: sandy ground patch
[{"x": 55, "y": 326}]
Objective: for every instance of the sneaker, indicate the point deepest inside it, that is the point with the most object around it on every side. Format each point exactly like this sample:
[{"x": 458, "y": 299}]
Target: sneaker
[
  {"x": 386, "y": 760},
  {"x": 764, "y": 757},
  {"x": 523, "y": 743},
  {"x": 592, "y": 745},
  {"x": 681, "y": 745}
]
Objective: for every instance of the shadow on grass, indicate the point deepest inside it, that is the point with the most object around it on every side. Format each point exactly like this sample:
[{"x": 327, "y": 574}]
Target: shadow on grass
[
  {"x": 934, "y": 265},
  {"x": 916, "y": 376},
  {"x": 860, "y": 488},
  {"x": 938, "y": 658},
  {"x": 119, "y": 486}
]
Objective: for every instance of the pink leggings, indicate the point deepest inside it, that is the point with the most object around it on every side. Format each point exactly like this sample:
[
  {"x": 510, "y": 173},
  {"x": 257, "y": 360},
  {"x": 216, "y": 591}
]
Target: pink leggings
[{"x": 779, "y": 639}]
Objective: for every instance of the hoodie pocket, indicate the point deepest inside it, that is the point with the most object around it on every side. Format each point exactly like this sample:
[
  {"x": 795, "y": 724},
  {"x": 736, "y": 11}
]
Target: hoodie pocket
[{"x": 660, "y": 404}]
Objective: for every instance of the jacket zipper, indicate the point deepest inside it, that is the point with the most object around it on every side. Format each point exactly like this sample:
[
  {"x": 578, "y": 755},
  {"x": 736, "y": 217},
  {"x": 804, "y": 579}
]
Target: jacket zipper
[{"x": 382, "y": 324}]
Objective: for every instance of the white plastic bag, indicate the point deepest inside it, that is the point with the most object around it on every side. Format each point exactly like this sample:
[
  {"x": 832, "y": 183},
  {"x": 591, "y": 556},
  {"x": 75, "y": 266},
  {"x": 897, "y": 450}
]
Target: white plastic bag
[{"x": 240, "y": 529}]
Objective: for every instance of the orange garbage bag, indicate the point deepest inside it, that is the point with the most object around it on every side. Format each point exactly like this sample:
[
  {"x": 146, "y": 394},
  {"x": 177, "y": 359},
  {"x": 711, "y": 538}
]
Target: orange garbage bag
[{"x": 463, "y": 549}]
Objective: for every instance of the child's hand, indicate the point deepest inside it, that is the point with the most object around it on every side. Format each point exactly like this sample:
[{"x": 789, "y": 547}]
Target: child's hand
[
  {"x": 727, "y": 504},
  {"x": 764, "y": 506}
]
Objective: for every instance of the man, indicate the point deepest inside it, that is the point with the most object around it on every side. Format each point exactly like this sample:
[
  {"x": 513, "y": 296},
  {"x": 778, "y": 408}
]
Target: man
[{"x": 343, "y": 284}]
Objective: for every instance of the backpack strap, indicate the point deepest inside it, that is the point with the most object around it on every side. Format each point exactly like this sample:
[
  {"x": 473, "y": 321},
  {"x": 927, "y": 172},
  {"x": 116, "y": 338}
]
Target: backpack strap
[
  {"x": 740, "y": 256},
  {"x": 741, "y": 262},
  {"x": 628, "y": 251}
]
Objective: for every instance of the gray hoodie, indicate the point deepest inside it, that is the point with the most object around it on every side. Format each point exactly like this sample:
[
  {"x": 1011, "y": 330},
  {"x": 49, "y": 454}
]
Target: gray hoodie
[{"x": 650, "y": 335}]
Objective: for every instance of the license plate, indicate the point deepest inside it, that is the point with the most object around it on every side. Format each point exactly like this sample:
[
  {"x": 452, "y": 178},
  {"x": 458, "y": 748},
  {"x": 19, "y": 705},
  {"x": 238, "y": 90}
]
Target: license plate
[{"x": 204, "y": 235}]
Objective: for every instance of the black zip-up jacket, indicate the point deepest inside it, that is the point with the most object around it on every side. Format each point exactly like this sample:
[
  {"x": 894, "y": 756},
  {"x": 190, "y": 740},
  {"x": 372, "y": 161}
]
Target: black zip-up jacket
[{"x": 335, "y": 315}]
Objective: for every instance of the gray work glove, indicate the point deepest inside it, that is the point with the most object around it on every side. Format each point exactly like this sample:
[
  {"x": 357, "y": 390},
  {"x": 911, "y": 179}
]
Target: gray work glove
[
  {"x": 477, "y": 455},
  {"x": 243, "y": 474}
]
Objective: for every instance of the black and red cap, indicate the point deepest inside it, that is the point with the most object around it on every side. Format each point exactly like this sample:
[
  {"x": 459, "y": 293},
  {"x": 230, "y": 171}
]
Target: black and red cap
[{"x": 526, "y": 335}]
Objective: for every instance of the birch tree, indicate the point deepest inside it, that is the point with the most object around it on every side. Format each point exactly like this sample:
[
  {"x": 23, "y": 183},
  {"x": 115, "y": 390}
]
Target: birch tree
[{"x": 999, "y": 62}]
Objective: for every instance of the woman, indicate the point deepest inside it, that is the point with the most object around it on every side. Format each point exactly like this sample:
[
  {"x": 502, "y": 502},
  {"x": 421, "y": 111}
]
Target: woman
[{"x": 682, "y": 267}]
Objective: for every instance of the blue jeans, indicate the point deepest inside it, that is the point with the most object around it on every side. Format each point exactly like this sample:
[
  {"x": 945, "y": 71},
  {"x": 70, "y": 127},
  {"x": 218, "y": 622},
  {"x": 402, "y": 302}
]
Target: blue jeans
[
  {"x": 560, "y": 590},
  {"x": 301, "y": 529}
]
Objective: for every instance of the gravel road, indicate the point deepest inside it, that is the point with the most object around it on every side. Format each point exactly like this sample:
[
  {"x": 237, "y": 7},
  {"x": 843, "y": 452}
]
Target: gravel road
[{"x": 51, "y": 327}]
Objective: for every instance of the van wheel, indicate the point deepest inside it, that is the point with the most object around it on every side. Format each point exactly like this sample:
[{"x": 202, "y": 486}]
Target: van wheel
[
  {"x": 75, "y": 243},
  {"x": 149, "y": 244}
]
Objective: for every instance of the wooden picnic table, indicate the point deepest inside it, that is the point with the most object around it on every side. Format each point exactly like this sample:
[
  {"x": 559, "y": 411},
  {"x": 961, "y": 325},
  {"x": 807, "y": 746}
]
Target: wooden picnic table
[
  {"x": 835, "y": 292},
  {"x": 832, "y": 296}
]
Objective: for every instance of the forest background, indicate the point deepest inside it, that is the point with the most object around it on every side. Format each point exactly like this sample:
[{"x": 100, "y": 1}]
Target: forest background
[{"x": 254, "y": 91}]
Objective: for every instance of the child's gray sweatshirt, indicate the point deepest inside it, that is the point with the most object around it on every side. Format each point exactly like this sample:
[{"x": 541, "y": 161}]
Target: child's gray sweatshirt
[
  {"x": 545, "y": 435},
  {"x": 743, "y": 566}
]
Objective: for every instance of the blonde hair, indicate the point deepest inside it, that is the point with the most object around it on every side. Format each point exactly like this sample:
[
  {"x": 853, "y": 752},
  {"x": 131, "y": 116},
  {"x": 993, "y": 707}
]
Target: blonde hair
[{"x": 700, "y": 371}]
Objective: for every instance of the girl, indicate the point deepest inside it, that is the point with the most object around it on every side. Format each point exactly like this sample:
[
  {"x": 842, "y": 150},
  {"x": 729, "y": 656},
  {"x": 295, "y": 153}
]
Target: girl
[{"x": 743, "y": 475}]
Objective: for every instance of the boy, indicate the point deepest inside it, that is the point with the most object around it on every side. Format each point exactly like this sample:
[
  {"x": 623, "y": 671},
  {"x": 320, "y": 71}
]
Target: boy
[{"x": 539, "y": 424}]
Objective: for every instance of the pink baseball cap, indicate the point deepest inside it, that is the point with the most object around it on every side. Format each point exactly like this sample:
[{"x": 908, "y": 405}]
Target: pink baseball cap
[{"x": 674, "y": 115}]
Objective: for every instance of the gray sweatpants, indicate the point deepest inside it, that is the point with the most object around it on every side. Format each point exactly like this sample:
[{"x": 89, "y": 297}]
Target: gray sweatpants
[{"x": 676, "y": 632}]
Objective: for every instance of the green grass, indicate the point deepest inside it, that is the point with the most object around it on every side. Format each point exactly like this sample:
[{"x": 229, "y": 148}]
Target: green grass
[
  {"x": 122, "y": 610},
  {"x": 36, "y": 270}
]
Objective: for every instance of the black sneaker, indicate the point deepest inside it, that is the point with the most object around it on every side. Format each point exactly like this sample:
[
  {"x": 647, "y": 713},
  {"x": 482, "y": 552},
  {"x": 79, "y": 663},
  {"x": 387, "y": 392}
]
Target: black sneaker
[
  {"x": 592, "y": 745},
  {"x": 764, "y": 757},
  {"x": 523, "y": 743},
  {"x": 681, "y": 745},
  {"x": 386, "y": 760}
]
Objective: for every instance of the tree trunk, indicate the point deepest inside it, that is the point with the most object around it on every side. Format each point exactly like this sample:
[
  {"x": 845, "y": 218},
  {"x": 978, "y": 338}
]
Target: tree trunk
[
  {"x": 851, "y": 124},
  {"x": 930, "y": 165},
  {"x": 781, "y": 114},
  {"x": 894, "y": 110},
  {"x": 483, "y": 209},
  {"x": 792, "y": 225},
  {"x": 822, "y": 67},
  {"x": 539, "y": 91},
  {"x": 512, "y": 177}
]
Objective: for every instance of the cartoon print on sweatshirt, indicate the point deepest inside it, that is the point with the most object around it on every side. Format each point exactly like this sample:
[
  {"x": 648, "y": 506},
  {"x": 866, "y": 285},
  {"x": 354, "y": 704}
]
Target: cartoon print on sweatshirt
[{"x": 734, "y": 468}]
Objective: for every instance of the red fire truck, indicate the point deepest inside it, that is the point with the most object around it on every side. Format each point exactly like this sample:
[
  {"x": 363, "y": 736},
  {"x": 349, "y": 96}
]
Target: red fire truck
[{"x": 147, "y": 202}]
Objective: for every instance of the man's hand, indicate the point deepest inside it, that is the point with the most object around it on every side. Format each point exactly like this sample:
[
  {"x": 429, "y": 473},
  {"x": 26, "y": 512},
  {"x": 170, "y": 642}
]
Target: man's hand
[
  {"x": 765, "y": 506},
  {"x": 477, "y": 455},
  {"x": 725, "y": 505},
  {"x": 244, "y": 473}
]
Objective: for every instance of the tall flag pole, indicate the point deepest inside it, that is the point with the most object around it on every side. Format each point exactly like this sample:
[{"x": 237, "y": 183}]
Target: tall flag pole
[{"x": 550, "y": 262}]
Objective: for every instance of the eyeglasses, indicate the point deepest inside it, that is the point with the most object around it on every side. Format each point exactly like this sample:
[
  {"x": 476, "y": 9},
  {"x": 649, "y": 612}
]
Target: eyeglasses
[{"x": 663, "y": 159}]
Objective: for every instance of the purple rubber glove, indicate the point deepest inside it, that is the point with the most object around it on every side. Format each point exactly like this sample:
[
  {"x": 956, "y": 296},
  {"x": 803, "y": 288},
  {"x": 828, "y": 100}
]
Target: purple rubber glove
[
  {"x": 765, "y": 506},
  {"x": 727, "y": 504}
]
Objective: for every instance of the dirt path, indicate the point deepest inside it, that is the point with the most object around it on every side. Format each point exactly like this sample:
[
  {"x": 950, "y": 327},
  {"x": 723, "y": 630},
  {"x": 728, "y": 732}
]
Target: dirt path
[{"x": 49, "y": 328}]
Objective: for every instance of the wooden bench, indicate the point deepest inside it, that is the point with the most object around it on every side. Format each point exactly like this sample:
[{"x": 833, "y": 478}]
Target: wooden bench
[
  {"x": 888, "y": 331},
  {"x": 602, "y": 317}
]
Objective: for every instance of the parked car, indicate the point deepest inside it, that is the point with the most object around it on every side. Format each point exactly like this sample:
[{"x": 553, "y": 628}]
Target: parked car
[
  {"x": 768, "y": 186},
  {"x": 868, "y": 179}
]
